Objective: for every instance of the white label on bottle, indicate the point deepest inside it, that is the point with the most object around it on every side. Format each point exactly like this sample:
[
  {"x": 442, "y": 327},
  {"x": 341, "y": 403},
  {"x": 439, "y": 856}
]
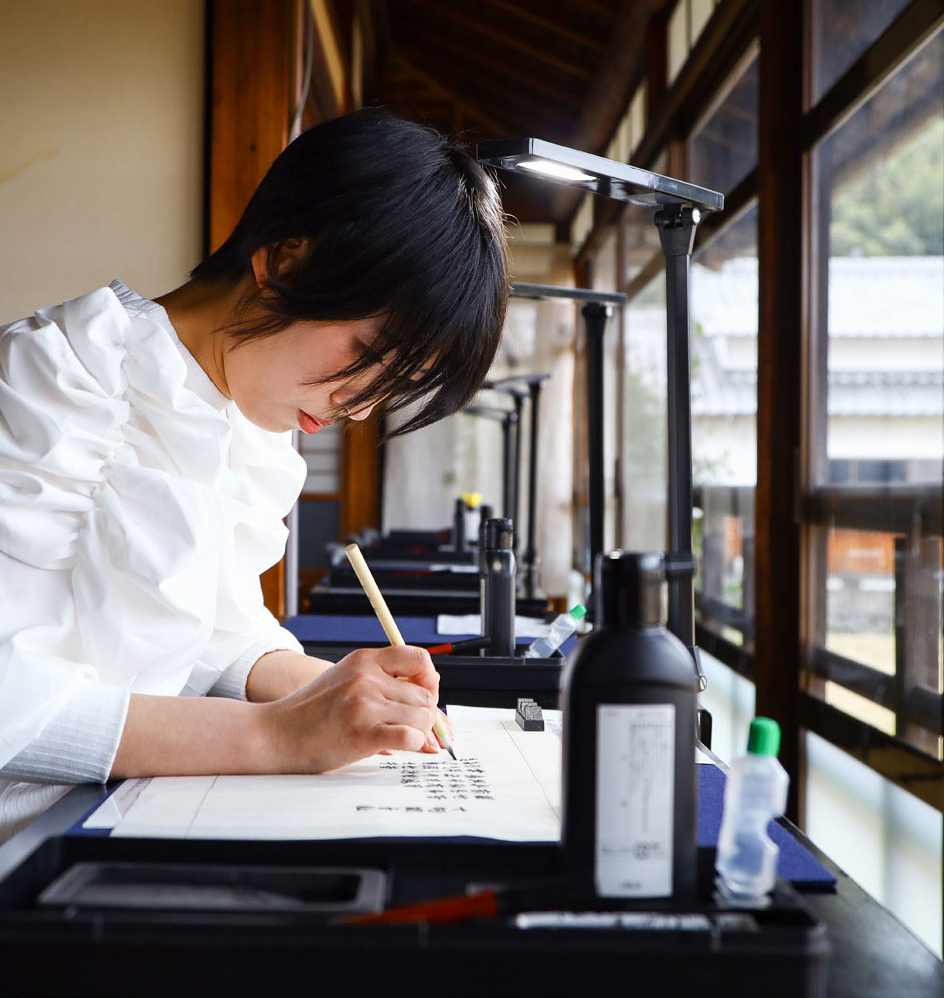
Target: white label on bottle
[{"x": 635, "y": 800}]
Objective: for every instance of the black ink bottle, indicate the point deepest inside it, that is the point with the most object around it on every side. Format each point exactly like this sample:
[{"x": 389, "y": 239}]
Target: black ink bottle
[
  {"x": 497, "y": 582},
  {"x": 629, "y": 700}
]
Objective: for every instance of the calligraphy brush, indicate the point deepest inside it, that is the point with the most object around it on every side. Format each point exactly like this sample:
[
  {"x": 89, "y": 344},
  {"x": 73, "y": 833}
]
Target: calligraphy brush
[{"x": 387, "y": 622}]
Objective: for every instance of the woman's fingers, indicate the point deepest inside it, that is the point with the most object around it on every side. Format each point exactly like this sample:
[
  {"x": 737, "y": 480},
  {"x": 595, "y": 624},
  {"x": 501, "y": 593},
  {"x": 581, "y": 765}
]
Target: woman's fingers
[
  {"x": 400, "y": 691},
  {"x": 409, "y": 662},
  {"x": 421, "y": 718},
  {"x": 402, "y": 737}
]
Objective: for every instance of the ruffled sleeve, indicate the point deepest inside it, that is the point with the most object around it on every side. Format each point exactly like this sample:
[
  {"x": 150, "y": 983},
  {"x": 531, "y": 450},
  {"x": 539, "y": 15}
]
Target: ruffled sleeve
[{"x": 58, "y": 415}]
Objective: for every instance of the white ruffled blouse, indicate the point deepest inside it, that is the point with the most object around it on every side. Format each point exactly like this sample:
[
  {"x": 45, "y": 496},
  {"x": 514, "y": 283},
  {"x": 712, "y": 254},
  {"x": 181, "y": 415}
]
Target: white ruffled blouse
[{"x": 138, "y": 507}]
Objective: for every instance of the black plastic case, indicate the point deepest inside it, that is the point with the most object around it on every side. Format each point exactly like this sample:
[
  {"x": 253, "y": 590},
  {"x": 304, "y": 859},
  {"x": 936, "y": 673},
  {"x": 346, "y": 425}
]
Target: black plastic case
[{"x": 84, "y": 950}]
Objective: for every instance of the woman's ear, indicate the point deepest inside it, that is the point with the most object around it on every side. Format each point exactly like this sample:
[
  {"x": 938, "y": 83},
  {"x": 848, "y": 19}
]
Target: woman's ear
[{"x": 286, "y": 259}]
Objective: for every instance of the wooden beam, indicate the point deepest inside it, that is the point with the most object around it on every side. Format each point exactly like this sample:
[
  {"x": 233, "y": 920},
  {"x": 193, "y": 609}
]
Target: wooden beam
[
  {"x": 523, "y": 111},
  {"x": 427, "y": 43},
  {"x": 253, "y": 46},
  {"x": 657, "y": 62},
  {"x": 448, "y": 13},
  {"x": 719, "y": 50},
  {"x": 548, "y": 23},
  {"x": 469, "y": 110},
  {"x": 778, "y": 645},
  {"x": 597, "y": 6},
  {"x": 915, "y": 25},
  {"x": 618, "y": 71},
  {"x": 328, "y": 40}
]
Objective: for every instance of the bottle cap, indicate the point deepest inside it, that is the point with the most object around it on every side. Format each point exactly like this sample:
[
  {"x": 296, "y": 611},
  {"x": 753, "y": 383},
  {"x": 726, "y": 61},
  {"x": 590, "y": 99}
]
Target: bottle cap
[
  {"x": 764, "y": 737},
  {"x": 472, "y": 499},
  {"x": 628, "y": 588},
  {"x": 578, "y": 612},
  {"x": 499, "y": 533}
]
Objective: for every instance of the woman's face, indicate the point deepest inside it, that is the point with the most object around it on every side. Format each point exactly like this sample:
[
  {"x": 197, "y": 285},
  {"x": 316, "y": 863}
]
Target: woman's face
[{"x": 271, "y": 379}]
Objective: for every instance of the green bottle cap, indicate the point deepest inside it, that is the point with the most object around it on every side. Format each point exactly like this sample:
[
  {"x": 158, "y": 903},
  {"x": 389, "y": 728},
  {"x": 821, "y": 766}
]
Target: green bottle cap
[
  {"x": 764, "y": 737},
  {"x": 578, "y": 611}
]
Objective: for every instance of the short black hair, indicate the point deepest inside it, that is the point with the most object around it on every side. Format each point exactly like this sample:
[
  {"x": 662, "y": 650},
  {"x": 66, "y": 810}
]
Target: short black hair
[{"x": 401, "y": 223}]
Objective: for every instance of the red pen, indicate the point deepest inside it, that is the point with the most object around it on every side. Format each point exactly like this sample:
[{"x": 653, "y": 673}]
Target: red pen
[{"x": 488, "y": 903}]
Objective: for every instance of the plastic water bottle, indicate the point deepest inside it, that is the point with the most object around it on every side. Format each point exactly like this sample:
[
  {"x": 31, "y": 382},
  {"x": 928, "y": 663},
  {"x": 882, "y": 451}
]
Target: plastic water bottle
[
  {"x": 756, "y": 792},
  {"x": 560, "y": 630}
]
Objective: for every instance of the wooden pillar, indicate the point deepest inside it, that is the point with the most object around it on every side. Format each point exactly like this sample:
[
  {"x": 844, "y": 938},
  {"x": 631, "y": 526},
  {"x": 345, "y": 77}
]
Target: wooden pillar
[
  {"x": 253, "y": 53},
  {"x": 778, "y": 645},
  {"x": 360, "y": 476}
]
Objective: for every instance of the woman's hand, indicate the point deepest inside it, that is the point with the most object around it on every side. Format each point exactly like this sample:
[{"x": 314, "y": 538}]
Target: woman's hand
[{"x": 354, "y": 709}]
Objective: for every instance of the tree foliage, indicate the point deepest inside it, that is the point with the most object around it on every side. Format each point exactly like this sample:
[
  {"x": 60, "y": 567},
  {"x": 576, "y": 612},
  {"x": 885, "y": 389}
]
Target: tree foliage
[{"x": 896, "y": 207}]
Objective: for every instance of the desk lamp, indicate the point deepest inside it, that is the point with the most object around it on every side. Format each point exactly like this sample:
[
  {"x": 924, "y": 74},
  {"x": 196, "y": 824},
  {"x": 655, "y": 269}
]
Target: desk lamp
[
  {"x": 598, "y": 306},
  {"x": 521, "y": 387},
  {"x": 679, "y": 207},
  {"x": 509, "y": 420}
]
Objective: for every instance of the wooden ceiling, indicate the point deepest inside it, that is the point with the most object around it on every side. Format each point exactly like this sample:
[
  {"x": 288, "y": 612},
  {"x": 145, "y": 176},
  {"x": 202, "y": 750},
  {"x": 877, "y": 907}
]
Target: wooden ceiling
[{"x": 561, "y": 70}]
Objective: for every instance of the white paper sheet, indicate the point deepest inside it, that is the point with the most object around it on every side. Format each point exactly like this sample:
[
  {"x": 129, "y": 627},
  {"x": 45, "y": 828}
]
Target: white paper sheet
[
  {"x": 471, "y": 623},
  {"x": 505, "y": 785}
]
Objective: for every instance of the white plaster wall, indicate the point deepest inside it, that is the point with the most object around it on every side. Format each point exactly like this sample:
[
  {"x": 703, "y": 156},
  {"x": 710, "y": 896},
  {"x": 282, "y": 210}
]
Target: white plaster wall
[
  {"x": 727, "y": 448},
  {"x": 899, "y": 353},
  {"x": 893, "y": 437},
  {"x": 102, "y": 154},
  {"x": 739, "y": 352}
]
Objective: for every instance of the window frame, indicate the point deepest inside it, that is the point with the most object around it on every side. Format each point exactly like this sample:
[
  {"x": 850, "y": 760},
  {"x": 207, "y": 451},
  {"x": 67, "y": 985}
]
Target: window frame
[
  {"x": 888, "y": 508},
  {"x": 788, "y": 503}
]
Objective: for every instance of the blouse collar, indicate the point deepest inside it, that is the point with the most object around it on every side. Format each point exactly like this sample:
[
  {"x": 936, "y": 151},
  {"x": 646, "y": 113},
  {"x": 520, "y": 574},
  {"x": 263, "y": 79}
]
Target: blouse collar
[{"x": 197, "y": 380}]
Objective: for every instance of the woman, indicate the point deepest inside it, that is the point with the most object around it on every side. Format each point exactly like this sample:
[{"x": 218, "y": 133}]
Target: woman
[{"x": 146, "y": 466}]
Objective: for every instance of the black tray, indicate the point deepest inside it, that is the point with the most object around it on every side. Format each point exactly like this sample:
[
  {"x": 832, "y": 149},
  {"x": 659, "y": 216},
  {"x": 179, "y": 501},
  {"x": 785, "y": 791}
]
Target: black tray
[{"x": 703, "y": 948}]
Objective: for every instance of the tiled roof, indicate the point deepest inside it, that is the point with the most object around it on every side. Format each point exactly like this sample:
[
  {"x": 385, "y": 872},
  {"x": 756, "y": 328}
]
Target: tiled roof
[
  {"x": 869, "y": 297},
  {"x": 716, "y": 392}
]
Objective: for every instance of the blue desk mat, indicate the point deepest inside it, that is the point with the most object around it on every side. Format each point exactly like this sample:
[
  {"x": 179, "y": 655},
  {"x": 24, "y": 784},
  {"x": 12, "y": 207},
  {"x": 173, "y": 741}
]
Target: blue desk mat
[
  {"x": 331, "y": 629},
  {"x": 795, "y": 863}
]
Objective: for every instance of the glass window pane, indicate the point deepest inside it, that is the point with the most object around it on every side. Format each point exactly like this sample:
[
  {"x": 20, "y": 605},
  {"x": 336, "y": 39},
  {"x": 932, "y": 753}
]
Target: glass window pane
[
  {"x": 878, "y": 405},
  {"x": 860, "y": 597},
  {"x": 322, "y": 454},
  {"x": 640, "y": 240},
  {"x": 881, "y": 187},
  {"x": 723, "y": 149},
  {"x": 731, "y": 701},
  {"x": 724, "y": 426},
  {"x": 886, "y": 839},
  {"x": 842, "y": 31}
]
